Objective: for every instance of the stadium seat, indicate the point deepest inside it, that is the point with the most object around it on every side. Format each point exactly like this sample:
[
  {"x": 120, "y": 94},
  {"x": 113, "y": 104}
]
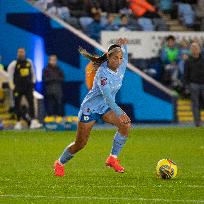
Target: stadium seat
[
  {"x": 85, "y": 21},
  {"x": 160, "y": 24},
  {"x": 186, "y": 14},
  {"x": 146, "y": 24},
  {"x": 74, "y": 22}
]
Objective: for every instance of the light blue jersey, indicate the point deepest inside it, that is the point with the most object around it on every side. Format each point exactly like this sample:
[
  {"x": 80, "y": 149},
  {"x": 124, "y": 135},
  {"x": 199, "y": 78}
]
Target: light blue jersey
[{"x": 105, "y": 86}]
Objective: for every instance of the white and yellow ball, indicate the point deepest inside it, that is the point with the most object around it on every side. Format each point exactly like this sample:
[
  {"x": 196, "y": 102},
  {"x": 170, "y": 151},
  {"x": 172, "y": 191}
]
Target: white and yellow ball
[{"x": 166, "y": 169}]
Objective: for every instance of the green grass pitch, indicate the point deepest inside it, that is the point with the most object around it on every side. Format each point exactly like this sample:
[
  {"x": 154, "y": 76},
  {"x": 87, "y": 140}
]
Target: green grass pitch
[{"x": 26, "y": 174}]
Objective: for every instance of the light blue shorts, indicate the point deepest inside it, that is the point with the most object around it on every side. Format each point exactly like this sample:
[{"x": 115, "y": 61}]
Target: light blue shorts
[{"x": 86, "y": 118}]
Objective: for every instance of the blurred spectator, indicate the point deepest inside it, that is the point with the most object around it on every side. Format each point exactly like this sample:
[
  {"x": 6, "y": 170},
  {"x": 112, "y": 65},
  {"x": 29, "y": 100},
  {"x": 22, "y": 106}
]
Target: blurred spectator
[
  {"x": 200, "y": 42},
  {"x": 196, "y": 40},
  {"x": 169, "y": 57},
  {"x": 184, "y": 54},
  {"x": 53, "y": 78},
  {"x": 92, "y": 7},
  {"x": 110, "y": 24},
  {"x": 166, "y": 6},
  {"x": 94, "y": 28},
  {"x": 194, "y": 80},
  {"x": 76, "y": 7},
  {"x": 22, "y": 79},
  {"x": 141, "y": 8},
  {"x": 124, "y": 23},
  {"x": 199, "y": 9},
  {"x": 112, "y": 6}
]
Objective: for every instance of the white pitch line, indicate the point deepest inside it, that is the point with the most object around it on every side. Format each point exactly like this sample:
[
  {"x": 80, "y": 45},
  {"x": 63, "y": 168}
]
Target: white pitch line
[
  {"x": 100, "y": 198},
  {"x": 127, "y": 186}
]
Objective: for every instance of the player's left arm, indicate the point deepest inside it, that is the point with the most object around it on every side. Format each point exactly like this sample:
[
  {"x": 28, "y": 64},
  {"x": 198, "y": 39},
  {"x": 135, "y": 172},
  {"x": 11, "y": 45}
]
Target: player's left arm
[
  {"x": 122, "y": 116},
  {"x": 104, "y": 85}
]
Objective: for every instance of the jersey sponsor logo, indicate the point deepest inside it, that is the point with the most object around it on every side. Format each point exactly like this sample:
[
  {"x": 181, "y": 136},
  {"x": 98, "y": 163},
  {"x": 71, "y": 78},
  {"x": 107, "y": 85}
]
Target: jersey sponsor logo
[
  {"x": 103, "y": 81},
  {"x": 86, "y": 117},
  {"x": 24, "y": 72}
]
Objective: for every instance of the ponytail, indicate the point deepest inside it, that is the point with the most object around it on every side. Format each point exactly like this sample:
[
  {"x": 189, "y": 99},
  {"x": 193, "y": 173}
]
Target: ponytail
[
  {"x": 94, "y": 58},
  {"x": 98, "y": 60}
]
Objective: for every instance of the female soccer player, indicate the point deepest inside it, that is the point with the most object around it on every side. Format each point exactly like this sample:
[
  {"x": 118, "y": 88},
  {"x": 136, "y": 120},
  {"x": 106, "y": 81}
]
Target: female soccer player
[{"x": 100, "y": 103}]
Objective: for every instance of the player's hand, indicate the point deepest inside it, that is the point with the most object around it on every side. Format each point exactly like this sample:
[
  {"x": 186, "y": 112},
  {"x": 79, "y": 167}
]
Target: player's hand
[
  {"x": 124, "y": 118},
  {"x": 122, "y": 41}
]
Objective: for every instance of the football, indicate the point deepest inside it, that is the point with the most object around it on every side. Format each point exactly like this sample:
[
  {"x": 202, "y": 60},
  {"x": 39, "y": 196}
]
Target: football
[{"x": 166, "y": 169}]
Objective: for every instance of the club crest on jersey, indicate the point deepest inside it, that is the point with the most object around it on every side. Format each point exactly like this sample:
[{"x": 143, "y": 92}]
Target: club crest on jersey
[
  {"x": 103, "y": 81},
  {"x": 86, "y": 117}
]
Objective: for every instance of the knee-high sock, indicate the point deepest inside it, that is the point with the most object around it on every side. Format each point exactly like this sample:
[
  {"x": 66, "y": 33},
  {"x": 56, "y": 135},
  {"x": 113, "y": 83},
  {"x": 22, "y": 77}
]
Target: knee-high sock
[
  {"x": 118, "y": 144},
  {"x": 66, "y": 156}
]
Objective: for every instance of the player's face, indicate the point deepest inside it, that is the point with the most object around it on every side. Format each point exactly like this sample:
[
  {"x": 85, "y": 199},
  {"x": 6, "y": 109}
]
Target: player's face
[
  {"x": 21, "y": 53},
  {"x": 171, "y": 43},
  {"x": 195, "y": 49},
  {"x": 115, "y": 60},
  {"x": 53, "y": 60}
]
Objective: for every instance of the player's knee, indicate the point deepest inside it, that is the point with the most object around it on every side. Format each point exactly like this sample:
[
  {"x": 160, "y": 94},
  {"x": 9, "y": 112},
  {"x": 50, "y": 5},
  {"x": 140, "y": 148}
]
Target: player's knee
[
  {"x": 128, "y": 126},
  {"x": 124, "y": 128}
]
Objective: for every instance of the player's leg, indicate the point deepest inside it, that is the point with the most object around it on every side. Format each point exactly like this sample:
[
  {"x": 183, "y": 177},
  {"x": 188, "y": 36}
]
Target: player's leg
[
  {"x": 30, "y": 99},
  {"x": 110, "y": 117},
  {"x": 83, "y": 132},
  {"x": 82, "y": 135},
  {"x": 201, "y": 96},
  {"x": 49, "y": 104},
  {"x": 34, "y": 124},
  {"x": 17, "y": 101},
  {"x": 119, "y": 140},
  {"x": 59, "y": 104},
  {"x": 195, "y": 94}
]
